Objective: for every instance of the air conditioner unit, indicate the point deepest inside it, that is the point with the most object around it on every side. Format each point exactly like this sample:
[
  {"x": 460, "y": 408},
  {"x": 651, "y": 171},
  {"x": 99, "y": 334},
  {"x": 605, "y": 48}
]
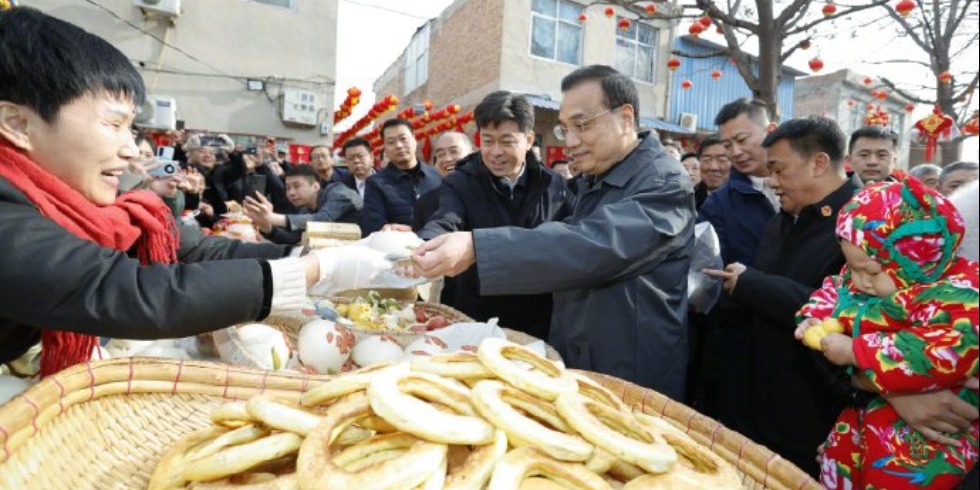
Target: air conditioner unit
[
  {"x": 167, "y": 8},
  {"x": 688, "y": 121},
  {"x": 157, "y": 112},
  {"x": 299, "y": 107}
]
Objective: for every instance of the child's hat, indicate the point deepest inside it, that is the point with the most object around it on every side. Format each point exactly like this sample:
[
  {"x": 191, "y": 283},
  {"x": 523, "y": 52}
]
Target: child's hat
[{"x": 910, "y": 229}]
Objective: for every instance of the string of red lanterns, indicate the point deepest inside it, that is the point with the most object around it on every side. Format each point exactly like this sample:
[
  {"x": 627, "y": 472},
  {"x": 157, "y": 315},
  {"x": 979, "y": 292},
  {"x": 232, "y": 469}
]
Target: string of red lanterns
[{"x": 343, "y": 112}]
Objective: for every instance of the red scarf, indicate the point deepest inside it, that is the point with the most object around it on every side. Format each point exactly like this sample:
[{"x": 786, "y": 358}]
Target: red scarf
[{"x": 136, "y": 218}]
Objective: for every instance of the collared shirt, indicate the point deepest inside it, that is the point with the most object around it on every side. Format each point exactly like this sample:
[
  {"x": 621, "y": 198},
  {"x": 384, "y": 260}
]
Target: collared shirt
[
  {"x": 359, "y": 183},
  {"x": 761, "y": 184},
  {"x": 511, "y": 184}
]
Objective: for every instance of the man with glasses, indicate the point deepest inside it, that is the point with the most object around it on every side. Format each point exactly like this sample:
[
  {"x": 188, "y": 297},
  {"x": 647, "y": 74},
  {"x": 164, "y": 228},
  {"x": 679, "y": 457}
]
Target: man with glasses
[
  {"x": 715, "y": 167},
  {"x": 617, "y": 267},
  {"x": 360, "y": 164}
]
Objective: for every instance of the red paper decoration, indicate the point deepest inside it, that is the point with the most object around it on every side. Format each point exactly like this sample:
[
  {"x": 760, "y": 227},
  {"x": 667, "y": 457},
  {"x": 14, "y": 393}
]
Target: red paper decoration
[
  {"x": 687, "y": 84},
  {"x": 610, "y": 12},
  {"x": 945, "y": 77},
  {"x": 673, "y": 63},
  {"x": 716, "y": 74},
  {"x": 933, "y": 127},
  {"x": 624, "y": 24},
  {"x": 651, "y": 9}
]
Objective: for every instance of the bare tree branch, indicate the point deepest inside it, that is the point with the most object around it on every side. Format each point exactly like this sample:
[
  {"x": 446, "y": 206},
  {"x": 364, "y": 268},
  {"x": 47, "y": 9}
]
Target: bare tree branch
[
  {"x": 903, "y": 22},
  {"x": 709, "y": 7},
  {"x": 968, "y": 88},
  {"x": 903, "y": 93},
  {"x": 791, "y": 10},
  {"x": 887, "y": 62},
  {"x": 841, "y": 13}
]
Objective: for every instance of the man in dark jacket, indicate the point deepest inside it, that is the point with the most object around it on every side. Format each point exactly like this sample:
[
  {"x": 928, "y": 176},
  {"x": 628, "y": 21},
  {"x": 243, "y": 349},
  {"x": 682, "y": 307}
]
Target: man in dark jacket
[
  {"x": 618, "y": 266},
  {"x": 503, "y": 184},
  {"x": 323, "y": 163},
  {"x": 335, "y": 203},
  {"x": 390, "y": 195},
  {"x": 360, "y": 164},
  {"x": 793, "y": 400},
  {"x": 449, "y": 148},
  {"x": 738, "y": 211},
  {"x": 716, "y": 166}
]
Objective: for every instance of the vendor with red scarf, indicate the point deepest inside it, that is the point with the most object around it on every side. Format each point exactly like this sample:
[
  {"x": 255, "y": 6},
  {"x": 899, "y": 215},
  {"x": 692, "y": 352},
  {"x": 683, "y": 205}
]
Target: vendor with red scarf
[{"x": 79, "y": 262}]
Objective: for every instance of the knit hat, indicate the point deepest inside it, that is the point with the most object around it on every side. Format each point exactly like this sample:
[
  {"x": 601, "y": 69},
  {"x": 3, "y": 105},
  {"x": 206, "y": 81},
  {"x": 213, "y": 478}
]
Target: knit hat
[
  {"x": 911, "y": 230},
  {"x": 193, "y": 142}
]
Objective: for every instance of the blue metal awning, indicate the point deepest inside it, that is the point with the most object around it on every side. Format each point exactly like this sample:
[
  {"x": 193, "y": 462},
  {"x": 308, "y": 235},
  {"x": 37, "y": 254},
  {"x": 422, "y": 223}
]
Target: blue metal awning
[{"x": 652, "y": 123}]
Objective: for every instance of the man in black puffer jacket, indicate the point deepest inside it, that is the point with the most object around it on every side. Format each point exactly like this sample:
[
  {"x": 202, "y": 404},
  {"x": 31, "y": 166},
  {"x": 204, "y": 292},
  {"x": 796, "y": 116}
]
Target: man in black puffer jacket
[{"x": 503, "y": 184}]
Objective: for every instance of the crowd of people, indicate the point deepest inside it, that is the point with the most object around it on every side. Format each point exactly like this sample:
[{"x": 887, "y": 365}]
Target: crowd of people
[{"x": 592, "y": 254}]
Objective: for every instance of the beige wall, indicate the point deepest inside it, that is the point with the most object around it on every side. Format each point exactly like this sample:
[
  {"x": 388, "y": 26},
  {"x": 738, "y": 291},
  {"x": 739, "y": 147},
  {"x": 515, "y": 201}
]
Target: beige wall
[{"x": 240, "y": 39}]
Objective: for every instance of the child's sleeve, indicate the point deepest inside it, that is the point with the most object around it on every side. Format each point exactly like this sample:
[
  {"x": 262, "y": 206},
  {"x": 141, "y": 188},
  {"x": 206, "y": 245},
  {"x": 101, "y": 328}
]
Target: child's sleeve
[
  {"x": 938, "y": 349},
  {"x": 822, "y": 302}
]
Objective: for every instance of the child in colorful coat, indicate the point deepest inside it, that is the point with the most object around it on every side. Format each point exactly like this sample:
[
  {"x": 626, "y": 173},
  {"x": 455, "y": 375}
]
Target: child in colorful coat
[{"x": 908, "y": 308}]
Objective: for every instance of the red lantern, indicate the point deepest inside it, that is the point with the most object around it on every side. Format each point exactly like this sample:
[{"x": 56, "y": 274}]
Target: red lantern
[
  {"x": 905, "y": 7},
  {"x": 582, "y": 17},
  {"x": 805, "y": 44},
  {"x": 696, "y": 29},
  {"x": 874, "y": 94},
  {"x": 610, "y": 12},
  {"x": 624, "y": 24},
  {"x": 829, "y": 9},
  {"x": 972, "y": 127},
  {"x": 869, "y": 107},
  {"x": 705, "y": 21},
  {"x": 816, "y": 64},
  {"x": 651, "y": 9},
  {"x": 673, "y": 63},
  {"x": 868, "y": 80},
  {"x": 883, "y": 94},
  {"x": 687, "y": 84},
  {"x": 909, "y": 107},
  {"x": 716, "y": 74},
  {"x": 946, "y": 77}
]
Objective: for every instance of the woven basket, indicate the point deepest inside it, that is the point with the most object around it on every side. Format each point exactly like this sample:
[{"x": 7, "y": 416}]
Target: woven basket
[{"x": 104, "y": 425}]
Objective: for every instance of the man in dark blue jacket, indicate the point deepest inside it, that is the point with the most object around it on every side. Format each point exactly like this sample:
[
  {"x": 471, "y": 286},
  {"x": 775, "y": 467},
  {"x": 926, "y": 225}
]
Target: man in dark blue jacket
[
  {"x": 738, "y": 211},
  {"x": 389, "y": 195},
  {"x": 504, "y": 184}
]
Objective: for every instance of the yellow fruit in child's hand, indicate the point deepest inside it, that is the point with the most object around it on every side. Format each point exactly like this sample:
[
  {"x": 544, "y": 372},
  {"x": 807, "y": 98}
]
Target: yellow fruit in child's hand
[
  {"x": 812, "y": 337},
  {"x": 831, "y": 325}
]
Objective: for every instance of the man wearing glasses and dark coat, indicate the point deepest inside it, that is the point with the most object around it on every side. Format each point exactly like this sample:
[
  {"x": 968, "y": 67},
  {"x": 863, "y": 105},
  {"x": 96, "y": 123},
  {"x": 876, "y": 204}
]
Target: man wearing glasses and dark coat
[{"x": 618, "y": 266}]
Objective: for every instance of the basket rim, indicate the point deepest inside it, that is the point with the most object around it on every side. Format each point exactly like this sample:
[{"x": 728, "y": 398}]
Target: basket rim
[{"x": 26, "y": 414}]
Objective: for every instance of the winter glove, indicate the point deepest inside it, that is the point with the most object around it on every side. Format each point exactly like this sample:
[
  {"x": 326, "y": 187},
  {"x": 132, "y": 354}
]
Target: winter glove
[{"x": 350, "y": 267}]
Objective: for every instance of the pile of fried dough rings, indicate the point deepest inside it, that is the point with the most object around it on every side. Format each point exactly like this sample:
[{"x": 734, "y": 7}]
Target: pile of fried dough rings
[{"x": 502, "y": 418}]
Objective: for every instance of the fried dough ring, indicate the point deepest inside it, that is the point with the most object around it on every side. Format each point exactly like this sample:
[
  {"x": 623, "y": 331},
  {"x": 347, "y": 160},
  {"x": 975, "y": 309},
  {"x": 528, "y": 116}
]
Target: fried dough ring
[
  {"x": 607, "y": 428},
  {"x": 169, "y": 472},
  {"x": 596, "y": 392},
  {"x": 546, "y": 383},
  {"x": 526, "y": 462},
  {"x": 522, "y": 430},
  {"x": 461, "y": 365},
  {"x": 281, "y": 416},
  {"x": 231, "y": 414},
  {"x": 349, "y": 383},
  {"x": 284, "y": 482},
  {"x": 241, "y": 435},
  {"x": 316, "y": 469},
  {"x": 600, "y": 462},
  {"x": 705, "y": 467},
  {"x": 623, "y": 471},
  {"x": 392, "y": 399},
  {"x": 238, "y": 459},
  {"x": 475, "y": 471}
]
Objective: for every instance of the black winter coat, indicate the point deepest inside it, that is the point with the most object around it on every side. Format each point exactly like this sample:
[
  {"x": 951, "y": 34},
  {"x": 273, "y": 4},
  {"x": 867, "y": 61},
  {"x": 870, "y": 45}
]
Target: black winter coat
[
  {"x": 796, "y": 393},
  {"x": 472, "y": 198},
  {"x": 390, "y": 195}
]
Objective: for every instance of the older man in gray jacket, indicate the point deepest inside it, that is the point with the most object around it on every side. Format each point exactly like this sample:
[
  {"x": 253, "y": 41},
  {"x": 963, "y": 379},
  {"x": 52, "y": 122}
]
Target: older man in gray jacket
[{"x": 618, "y": 266}]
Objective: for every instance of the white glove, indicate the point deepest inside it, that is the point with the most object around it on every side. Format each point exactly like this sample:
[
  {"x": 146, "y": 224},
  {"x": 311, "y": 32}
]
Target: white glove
[{"x": 350, "y": 267}]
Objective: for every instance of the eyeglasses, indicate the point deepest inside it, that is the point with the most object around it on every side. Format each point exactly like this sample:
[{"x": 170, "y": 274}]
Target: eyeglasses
[{"x": 579, "y": 127}]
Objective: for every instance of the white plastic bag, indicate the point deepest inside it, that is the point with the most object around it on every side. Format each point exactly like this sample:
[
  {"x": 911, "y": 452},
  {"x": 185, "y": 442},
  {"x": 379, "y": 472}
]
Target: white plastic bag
[{"x": 704, "y": 291}]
